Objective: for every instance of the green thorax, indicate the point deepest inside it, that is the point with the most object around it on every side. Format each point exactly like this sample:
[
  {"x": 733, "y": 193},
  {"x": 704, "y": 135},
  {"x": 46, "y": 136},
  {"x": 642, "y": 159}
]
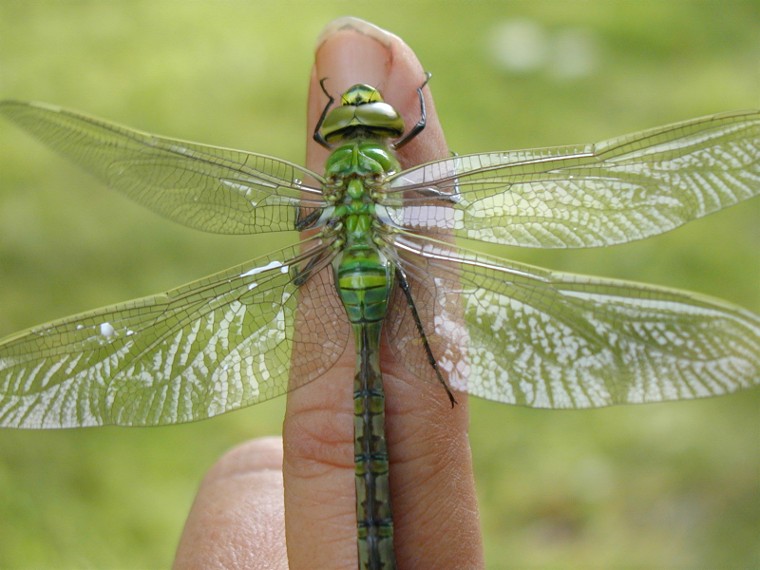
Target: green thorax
[{"x": 356, "y": 174}]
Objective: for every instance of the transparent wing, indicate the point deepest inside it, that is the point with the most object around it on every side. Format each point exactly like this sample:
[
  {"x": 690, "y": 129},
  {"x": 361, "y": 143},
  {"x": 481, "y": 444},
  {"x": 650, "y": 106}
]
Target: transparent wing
[
  {"x": 204, "y": 187},
  {"x": 217, "y": 344},
  {"x": 615, "y": 191},
  {"x": 524, "y": 335}
]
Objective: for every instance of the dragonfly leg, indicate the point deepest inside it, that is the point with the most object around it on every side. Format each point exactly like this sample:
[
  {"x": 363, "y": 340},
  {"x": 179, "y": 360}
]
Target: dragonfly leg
[
  {"x": 416, "y": 129},
  {"x": 317, "y": 135},
  {"x": 308, "y": 220},
  {"x": 316, "y": 263},
  {"x": 404, "y": 284}
]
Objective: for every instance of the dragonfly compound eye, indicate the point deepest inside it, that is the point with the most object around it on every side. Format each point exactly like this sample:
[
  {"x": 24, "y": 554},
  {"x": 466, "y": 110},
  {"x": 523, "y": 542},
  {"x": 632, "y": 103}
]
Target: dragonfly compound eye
[{"x": 360, "y": 94}]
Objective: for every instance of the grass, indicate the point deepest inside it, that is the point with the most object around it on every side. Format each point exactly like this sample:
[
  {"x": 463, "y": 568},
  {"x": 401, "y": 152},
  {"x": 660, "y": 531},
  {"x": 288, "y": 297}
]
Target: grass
[{"x": 649, "y": 486}]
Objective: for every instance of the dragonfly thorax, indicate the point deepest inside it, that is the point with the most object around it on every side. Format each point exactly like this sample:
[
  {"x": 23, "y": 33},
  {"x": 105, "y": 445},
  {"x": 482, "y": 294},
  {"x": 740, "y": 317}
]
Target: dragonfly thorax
[
  {"x": 369, "y": 160},
  {"x": 356, "y": 175},
  {"x": 354, "y": 217}
]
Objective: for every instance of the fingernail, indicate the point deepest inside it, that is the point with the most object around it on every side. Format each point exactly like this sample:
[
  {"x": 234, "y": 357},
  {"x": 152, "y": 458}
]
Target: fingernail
[
  {"x": 355, "y": 24},
  {"x": 351, "y": 51}
]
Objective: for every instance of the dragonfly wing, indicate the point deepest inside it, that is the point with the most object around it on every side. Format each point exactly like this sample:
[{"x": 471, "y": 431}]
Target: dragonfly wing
[
  {"x": 615, "y": 191},
  {"x": 524, "y": 335},
  {"x": 204, "y": 187},
  {"x": 215, "y": 345}
]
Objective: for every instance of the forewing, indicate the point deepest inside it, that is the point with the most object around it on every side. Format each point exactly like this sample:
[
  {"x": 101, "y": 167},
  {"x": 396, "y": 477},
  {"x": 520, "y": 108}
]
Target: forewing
[
  {"x": 214, "y": 345},
  {"x": 529, "y": 336},
  {"x": 615, "y": 191},
  {"x": 204, "y": 187}
]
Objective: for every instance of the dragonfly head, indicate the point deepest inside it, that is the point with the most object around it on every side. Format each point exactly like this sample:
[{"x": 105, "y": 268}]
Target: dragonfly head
[
  {"x": 362, "y": 113},
  {"x": 361, "y": 94}
]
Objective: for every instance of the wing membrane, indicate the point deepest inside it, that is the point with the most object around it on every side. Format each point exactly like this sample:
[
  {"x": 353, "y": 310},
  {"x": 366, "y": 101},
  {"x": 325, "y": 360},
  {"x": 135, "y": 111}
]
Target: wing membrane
[
  {"x": 218, "y": 344},
  {"x": 204, "y": 187},
  {"x": 616, "y": 191},
  {"x": 546, "y": 339}
]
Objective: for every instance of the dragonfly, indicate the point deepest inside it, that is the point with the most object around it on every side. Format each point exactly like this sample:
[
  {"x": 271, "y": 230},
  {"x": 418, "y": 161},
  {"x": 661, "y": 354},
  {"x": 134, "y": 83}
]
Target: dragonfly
[{"x": 376, "y": 260}]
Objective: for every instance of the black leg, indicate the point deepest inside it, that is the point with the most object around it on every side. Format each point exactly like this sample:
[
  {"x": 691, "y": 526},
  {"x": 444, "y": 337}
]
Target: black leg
[
  {"x": 416, "y": 129},
  {"x": 305, "y": 222},
  {"x": 316, "y": 262},
  {"x": 317, "y": 135},
  {"x": 404, "y": 284}
]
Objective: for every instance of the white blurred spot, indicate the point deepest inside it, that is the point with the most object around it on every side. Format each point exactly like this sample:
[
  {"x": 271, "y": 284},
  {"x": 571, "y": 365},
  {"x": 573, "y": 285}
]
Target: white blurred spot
[
  {"x": 519, "y": 45},
  {"x": 523, "y": 46}
]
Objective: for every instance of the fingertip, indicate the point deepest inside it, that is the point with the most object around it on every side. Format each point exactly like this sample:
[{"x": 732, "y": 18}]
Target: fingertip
[
  {"x": 351, "y": 51},
  {"x": 253, "y": 456}
]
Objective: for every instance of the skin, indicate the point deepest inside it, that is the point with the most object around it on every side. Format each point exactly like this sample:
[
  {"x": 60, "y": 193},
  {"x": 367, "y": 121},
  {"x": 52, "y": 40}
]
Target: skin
[{"x": 301, "y": 488}]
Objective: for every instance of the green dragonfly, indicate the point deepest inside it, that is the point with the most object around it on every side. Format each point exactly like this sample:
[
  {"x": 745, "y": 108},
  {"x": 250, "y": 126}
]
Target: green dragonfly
[{"x": 379, "y": 262}]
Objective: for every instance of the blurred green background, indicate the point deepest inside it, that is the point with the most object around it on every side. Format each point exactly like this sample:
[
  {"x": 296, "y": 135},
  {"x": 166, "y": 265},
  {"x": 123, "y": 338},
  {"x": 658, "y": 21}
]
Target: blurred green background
[{"x": 661, "y": 486}]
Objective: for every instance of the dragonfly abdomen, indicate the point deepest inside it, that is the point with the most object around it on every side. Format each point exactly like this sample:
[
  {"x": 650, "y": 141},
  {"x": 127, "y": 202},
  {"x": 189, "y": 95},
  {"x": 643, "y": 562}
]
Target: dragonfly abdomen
[
  {"x": 373, "y": 505},
  {"x": 363, "y": 277}
]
